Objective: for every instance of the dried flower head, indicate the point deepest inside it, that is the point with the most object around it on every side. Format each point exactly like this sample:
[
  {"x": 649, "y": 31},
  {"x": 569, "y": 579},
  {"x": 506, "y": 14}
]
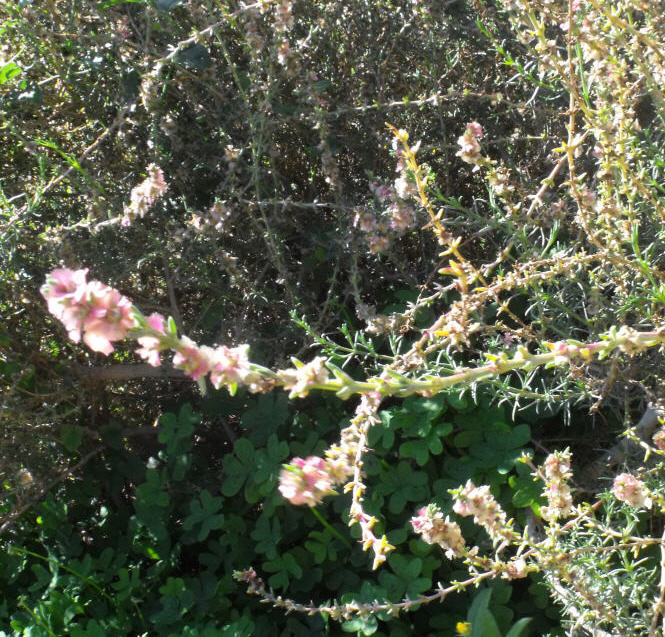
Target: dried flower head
[
  {"x": 486, "y": 511},
  {"x": 429, "y": 524}
]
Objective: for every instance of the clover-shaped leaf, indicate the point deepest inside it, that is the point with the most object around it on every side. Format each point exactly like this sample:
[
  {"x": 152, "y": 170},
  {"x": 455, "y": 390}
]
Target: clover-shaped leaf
[
  {"x": 403, "y": 484},
  {"x": 176, "y": 431},
  {"x": 361, "y": 625},
  {"x": 405, "y": 580},
  {"x": 284, "y": 567},
  {"x": 176, "y": 600},
  {"x": 204, "y": 514},
  {"x": 264, "y": 415},
  {"x": 421, "y": 448},
  {"x": 321, "y": 544},
  {"x": 267, "y": 536},
  {"x": 266, "y": 465},
  {"x": 238, "y": 467}
]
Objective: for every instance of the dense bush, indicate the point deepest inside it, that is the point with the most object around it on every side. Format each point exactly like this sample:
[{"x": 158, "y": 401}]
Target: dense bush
[{"x": 460, "y": 207}]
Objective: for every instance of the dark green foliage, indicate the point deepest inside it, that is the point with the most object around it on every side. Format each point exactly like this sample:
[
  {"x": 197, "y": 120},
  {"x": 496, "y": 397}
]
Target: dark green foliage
[{"x": 137, "y": 546}]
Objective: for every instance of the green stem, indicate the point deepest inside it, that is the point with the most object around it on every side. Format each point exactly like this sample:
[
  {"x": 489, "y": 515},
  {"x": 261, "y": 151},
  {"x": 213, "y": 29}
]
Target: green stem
[
  {"x": 49, "y": 558},
  {"x": 333, "y": 531}
]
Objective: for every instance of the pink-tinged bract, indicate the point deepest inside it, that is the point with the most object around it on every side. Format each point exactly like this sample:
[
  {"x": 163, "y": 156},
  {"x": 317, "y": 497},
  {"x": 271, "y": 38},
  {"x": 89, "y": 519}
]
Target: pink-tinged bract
[
  {"x": 151, "y": 345},
  {"x": 196, "y": 361},
  {"x": 306, "y": 481}
]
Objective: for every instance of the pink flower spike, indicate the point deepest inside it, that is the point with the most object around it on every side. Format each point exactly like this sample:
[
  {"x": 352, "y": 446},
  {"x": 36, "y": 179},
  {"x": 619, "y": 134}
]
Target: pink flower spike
[
  {"x": 659, "y": 439},
  {"x": 229, "y": 366},
  {"x": 474, "y": 129},
  {"x": 429, "y": 523}
]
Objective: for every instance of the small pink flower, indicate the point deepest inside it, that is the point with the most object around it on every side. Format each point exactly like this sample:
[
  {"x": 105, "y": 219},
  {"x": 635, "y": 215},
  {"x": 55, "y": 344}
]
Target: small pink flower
[
  {"x": 150, "y": 345},
  {"x": 401, "y": 217},
  {"x": 558, "y": 494},
  {"x": 145, "y": 194},
  {"x": 377, "y": 243},
  {"x": 486, "y": 511},
  {"x": 299, "y": 380},
  {"x": 109, "y": 317},
  {"x": 196, "y": 361},
  {"x": 101, "y": 313},
  {"x": 474, "y": 129},
  {"x": 64, "y": 288},
  {"x": 557, "y": 465},
  {"x": 305, "y": 481},
  {"x": 365, "y": 221},
  {"x": 659, "y": 439},
  {"x": 383, "y": 193},
  {"x": 404, "y": 187},
  {"x": 229, "y": 365},
  {"x": 469, "y": 151},
  {"x": 627, "y": 488}
]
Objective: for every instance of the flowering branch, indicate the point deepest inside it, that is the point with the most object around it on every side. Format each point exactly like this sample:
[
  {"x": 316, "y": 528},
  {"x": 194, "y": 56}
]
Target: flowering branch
[{"x": 101, "y": 315}]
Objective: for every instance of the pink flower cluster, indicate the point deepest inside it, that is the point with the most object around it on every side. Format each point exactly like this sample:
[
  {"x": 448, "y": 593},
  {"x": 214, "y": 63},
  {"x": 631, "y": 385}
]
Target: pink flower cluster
[
  {"x": 469, "y": 146},
  {"x": 559, "y": 498},
  {"x": 96, "y": 311},
  {"x": 306, "y": 481},
  {"x": 102, "y": 315},
  {"x": 659, "y": 439},
  {"x": 429, "y": 523},
  {"x": 486, "y": 511},
  {"x": 627, "y": 488},
  {"x": 397, "y": 216},
  {"x": 300, "y": 379},
  {"x": 145, "y": 194},
  {"x": 227, "y": 366}
]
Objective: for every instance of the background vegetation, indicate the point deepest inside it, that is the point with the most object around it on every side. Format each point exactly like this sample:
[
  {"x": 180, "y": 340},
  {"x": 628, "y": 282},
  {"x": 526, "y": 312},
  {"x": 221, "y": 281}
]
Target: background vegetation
[{"x": 129, "y": 498}]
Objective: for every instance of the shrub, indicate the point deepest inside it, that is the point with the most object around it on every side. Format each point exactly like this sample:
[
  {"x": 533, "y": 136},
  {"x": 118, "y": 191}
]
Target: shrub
[{"x": 244, "y": 171}]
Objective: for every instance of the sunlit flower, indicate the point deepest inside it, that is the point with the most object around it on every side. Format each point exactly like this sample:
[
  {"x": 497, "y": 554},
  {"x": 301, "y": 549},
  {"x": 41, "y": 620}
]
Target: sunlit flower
[
  {"x": 433, "y": 529},
  {"x": 469, "y": 147},
  {"x": 145, "y": 194},
  {"x": 230, "y": 365},
  {"x": 109, "y": 317},
  {"x": 632, "y": 491},
  {"x": 305, "y": 481},
  {"x": 659, "y": 439},
  {"x": 558, "y": 494},
  {"x": 93, "y": 309},
  {"x": 150, "y": 345},
  {"x": 299, "y": 380},
  {"x": 64, "y": 288},
  {"x": 486, "y": 511},
  {"x": 195, "y": 360}
]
